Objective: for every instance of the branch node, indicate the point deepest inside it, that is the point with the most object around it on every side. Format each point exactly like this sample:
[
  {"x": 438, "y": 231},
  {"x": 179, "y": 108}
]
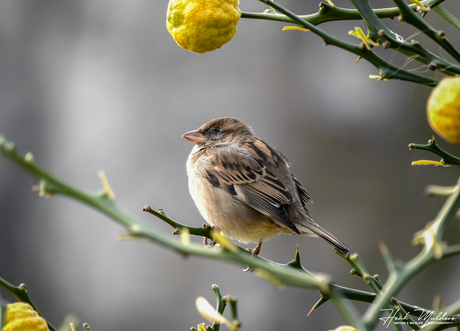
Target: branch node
[
  {"x": 433, "y": 66},
  {"x": 29, "y": 158},
  {"x": 146, "y": 208}
]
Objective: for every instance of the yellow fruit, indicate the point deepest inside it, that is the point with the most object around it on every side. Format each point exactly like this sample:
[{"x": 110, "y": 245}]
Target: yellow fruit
[
  {"x": 443, "y": 109},
  {"x": 202, "y": 25},
  {"x": 20, "y": 316},
  {"x": 345, "y": 328}
]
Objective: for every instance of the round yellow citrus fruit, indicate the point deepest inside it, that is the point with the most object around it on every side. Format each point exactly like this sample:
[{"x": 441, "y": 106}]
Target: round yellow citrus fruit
[
  {"x": 202, "y": 25},
  {"x": 345, "y": 328},
  {"x": 20, "y": 316},
  {"x": 443, "y": 109}
]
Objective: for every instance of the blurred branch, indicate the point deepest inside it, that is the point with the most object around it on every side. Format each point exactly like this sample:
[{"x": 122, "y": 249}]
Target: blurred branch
[
  {"x": 445, "y": 14},
  {"x": 208, "y": 312},
  {"x": 433, "y": 250}
]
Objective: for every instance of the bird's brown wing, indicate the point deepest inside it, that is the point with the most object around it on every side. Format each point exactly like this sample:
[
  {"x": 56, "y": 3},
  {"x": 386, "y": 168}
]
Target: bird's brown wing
[
  {"x": 243, "y": 174},
  {"x": 303, "y": 194}
]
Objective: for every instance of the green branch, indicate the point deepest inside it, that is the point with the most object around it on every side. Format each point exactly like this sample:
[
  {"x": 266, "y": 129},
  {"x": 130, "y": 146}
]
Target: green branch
[
  {"x": 387, "y": 70},
  {"x": 139, "y": 229},
  {"x": 433, "y": 250},
  {"x": 433, "y": 147},
  {"x": 222, "y": 302},
  {"x": 203, "y": 231},
  {"x": 412, "y": 18},
  {"x": 279, "y": 274},
  {"x": 380, "y": 33},
  {"x": 326, "y": 13}
]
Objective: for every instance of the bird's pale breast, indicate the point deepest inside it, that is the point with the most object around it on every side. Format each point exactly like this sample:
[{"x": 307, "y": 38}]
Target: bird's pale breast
[{"x": 226, "y": 212}]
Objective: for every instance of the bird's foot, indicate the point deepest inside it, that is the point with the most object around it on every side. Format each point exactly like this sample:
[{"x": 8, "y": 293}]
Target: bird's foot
[
  {"x": 210, "y": 243},
  {"x": 254, "y": 252}
]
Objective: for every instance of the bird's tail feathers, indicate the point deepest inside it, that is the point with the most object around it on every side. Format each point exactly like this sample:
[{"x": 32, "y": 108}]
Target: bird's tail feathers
[{"x": 314, "y": 230}]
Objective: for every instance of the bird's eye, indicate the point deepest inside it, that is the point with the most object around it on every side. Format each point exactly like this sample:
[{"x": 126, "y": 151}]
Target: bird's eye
[{"x": 215, "y": 131}]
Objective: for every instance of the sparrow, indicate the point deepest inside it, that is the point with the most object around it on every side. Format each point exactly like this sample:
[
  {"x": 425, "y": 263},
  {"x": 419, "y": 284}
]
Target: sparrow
[{"x": 242, "y": 186}]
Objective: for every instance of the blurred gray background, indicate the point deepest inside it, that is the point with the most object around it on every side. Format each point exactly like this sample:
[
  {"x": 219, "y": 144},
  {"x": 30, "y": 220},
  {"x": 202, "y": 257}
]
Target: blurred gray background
[{"x": 90, "y": 85}]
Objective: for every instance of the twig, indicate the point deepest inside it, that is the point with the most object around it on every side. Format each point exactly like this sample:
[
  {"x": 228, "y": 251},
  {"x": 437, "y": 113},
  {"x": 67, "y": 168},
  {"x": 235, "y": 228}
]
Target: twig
[
  {"x": 139, "y": 229},
  {"x": 387, "y": 70},
  {"x": 412, "y": 18},
  {"x": 434, "y": 148},
  {"x": 432, "y": 251}
]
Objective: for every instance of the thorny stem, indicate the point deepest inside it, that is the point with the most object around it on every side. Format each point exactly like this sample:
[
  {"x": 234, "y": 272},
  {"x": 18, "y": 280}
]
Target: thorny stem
[
  {"x": 433, "y": 250},
  {"x": 372, "y": 18},
  {"x": 221, "y": 303},
  {"x": 387, "y": 70},
  {"x": 379, "y": 32},
  {"x": 412, "y": 18},
  {"x": 290, "y": 274},
  {"x": 137, "y": 228},
  {"x": 327, "y": 13},
  {"x": 433, "y": 147}
]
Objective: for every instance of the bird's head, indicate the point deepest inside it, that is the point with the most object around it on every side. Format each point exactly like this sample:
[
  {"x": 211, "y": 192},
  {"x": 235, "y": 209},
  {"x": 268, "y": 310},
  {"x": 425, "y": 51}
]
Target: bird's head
[{"x": 224, "y": 130}]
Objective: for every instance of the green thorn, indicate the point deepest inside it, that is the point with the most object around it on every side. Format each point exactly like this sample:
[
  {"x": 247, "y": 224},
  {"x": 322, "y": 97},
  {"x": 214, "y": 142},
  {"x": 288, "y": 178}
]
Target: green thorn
[
  {"x": 317, "y": 304},
  {"x": 390, "y": 261},
  {"x": 296, "y": 263}
]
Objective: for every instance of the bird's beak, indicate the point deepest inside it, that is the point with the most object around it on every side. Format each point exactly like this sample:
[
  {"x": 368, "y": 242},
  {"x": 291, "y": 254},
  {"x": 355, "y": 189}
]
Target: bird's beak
[{"x": 194, "y": 136}]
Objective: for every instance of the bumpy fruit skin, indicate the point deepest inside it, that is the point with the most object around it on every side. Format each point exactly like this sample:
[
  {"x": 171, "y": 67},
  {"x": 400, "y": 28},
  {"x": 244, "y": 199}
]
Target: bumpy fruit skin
[
  {"x": 345, "y": 328},
  {"x": 443, "y": 109},
  {"x": 20, "y": 316},
  {"x": 202, "y": 25}
]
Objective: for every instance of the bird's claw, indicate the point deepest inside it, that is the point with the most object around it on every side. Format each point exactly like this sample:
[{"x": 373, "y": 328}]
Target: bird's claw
[
  {"x": 254, "y": 252},
  {"x": 208, "y": 244},
  {"x": 211, "y": 243}
]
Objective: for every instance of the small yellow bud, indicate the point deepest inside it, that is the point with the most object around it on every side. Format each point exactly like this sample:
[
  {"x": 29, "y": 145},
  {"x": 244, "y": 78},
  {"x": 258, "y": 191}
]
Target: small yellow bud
[
  {"x": 430, "y": 162},
  {"x": 105, "y": 185},
  {"x": 298, "y": 28},
  {"x": 422, "y": 7},
  {"x": 378, "y": 78},
  {"x": 359, "y": 33}
]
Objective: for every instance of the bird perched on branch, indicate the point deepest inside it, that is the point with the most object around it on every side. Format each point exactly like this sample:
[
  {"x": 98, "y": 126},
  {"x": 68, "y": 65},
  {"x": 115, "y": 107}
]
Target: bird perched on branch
[{"x": 243, "y": 187}]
